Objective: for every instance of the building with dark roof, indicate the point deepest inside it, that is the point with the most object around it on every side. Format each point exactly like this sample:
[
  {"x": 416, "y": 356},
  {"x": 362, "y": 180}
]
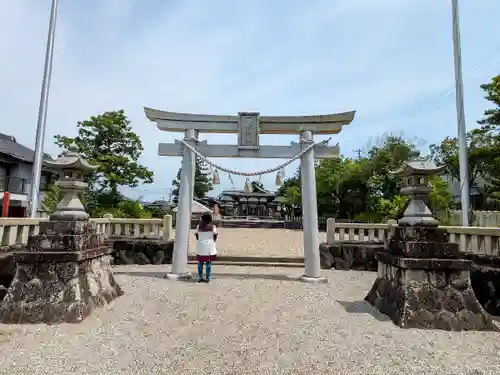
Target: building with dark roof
[
  {"x": 16, "y": 168},
  {"x": 260, "y": 202}
]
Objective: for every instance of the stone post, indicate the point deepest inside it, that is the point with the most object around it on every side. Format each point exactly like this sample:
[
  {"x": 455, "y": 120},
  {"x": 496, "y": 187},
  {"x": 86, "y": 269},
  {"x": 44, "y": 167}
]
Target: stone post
[
  {"x": 391, "y": 228},
  {"x": 310, "y": 212},
  {"x": 167, "y": 227},
  {"x": 330, "y": 230},
  {"x": 65, "y": 272},
  {"x": 109, "y": 229},
  {"x": 183, "y": 222},
  {"x": 193, "y": 174}
]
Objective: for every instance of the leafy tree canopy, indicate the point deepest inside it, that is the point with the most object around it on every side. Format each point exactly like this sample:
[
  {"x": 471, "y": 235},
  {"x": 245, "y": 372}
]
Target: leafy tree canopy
[
  {"x": 202, "y": 181},
  {"x": 480, "y": 154},
  {"x": 364, "y": 188},
  {"x": 107, "y": 140},
  {"x": 492, "y": 115}
]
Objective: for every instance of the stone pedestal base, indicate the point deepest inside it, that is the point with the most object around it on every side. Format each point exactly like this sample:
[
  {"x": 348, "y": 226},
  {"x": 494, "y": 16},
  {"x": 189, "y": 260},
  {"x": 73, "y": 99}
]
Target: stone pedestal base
[
  {"x": 313, "y": 280},
  {"x": 179, "y": 276},
  {"x": 56, "y": 287},
  {"x": 427, "y": 293}
]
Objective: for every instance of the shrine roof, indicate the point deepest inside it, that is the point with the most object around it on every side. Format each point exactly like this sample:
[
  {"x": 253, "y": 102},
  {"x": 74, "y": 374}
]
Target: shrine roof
[
  {"x": 244, "y": 194},
  {"x": 207, "y": 199}
]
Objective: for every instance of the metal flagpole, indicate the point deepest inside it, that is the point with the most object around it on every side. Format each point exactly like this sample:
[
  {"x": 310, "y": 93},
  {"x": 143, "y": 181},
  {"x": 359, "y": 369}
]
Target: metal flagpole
[
  {"x": 42, "y": 112},
  {"x": 462, "y": 138}
]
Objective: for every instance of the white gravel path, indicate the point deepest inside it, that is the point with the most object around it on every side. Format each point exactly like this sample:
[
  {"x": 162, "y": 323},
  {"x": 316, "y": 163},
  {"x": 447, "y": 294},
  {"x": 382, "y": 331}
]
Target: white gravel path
[
  {"x": 247, "y": 321},
  {"x": 259, "y": 242}
]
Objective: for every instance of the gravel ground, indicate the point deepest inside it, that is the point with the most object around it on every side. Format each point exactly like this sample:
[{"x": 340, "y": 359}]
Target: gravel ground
[
  {"x": 246, "y": 321},
  {"x": 258, "y": 242}
]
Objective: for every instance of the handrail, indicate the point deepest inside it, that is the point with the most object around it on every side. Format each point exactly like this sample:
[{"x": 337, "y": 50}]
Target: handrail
[
  {"x": 483, "y": 241},
  {"x": 14, "y": 232}
]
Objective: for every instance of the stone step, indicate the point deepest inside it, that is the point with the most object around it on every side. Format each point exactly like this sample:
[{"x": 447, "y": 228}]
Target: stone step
[
  {"x": 252, "y": 259},
  {"x": 253, "y": 224},
  {"x": 253, "y": 264}
]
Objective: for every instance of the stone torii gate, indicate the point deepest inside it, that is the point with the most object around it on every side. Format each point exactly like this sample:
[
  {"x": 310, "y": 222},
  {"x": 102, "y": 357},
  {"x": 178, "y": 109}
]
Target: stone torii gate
[{"x": 248, "y": 126}]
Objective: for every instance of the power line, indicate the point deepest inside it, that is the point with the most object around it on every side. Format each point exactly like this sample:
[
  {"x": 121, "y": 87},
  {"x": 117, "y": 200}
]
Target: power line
[
  {"x": 450, "y": 92},
  {"x": 358, "y": 151}
]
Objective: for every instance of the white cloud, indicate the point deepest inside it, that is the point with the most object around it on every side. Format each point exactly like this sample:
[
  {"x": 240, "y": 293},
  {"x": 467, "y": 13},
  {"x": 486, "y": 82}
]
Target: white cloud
[{"x": 382, "y": 58}]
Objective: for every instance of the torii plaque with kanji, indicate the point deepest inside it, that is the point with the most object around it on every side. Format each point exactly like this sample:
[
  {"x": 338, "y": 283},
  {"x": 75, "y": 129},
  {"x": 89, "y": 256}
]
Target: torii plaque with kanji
[{"x": 248, "y": 131}]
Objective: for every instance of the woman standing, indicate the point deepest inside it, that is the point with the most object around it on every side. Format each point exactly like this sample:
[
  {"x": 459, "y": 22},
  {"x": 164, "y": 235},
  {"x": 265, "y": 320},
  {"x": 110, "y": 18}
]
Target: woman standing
[{"x": 206, "y": 235}]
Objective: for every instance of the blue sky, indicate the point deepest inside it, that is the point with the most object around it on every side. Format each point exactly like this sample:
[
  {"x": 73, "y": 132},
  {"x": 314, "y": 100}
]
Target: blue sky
[{"x": 390, "y": 60}]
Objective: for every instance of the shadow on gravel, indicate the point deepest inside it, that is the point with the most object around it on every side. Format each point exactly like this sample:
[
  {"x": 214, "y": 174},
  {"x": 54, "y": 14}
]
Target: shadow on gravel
[
  {"x": 155, "y": 275},
  {"x": 215, "y": 276},
  {"x": 363, "y": 307},
  {"x": 250, "y": 276}
]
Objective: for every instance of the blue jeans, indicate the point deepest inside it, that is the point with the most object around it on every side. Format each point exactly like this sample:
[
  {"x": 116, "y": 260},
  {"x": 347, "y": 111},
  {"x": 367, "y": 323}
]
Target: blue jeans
[{"x": 208, "y": 270}]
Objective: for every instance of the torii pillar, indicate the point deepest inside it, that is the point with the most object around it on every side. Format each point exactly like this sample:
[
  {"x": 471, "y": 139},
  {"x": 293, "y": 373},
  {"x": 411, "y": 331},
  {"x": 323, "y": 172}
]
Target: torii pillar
[{"x": 248, "y": 126}]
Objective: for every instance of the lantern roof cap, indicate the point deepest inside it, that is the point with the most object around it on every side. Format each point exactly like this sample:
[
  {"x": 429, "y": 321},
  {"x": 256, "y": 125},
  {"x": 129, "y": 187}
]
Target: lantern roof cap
[
  {"x": 72, "y": 160},
  {"x": 419, "y": 165}
]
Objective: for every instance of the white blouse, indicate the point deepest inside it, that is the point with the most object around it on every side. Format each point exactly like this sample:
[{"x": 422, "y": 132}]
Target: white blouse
[{"x": 206, "y": 244}]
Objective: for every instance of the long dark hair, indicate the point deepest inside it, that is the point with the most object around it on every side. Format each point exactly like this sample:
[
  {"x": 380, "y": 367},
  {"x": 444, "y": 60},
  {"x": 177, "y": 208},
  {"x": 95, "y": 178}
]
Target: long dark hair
[{"x": 206, "y": 220}]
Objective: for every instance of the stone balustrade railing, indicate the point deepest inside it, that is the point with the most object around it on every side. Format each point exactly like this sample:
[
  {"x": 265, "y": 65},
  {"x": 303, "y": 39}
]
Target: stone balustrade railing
[
  {"x": 14, "y": 232},
  {"x": 472, "y": 240}
]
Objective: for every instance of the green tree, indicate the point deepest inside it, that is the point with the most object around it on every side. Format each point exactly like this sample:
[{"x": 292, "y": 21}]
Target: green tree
[
  {"x": 53, "y": 196},
  {"x": 483, "y": 148},
  {"x": 290, "y": 190},
  {"x": 492, "y": 115},
  {"x": 51, "y": 199},
  {"x": 202, "y": 181},
  {"x": 293, "y": 196},
  {"x": 490, "y": 125},
  {"x": 440, "y": 199},
  {"x": 479, "y": 150},
  {"x": 368, "y": 180},
  {"x": 343, "y": 182},
  {"x": 125, "y": 209},
  {"x": 107, "y": 140},
  {"x": 351, "y": 188},
  {"x": 134, "y": 208},
  {"x": 287, "y": 183},
  {"x": 384, "y": 159},
  {"x": 391, "y": 208},
  {"x": 365, "y": 189}
]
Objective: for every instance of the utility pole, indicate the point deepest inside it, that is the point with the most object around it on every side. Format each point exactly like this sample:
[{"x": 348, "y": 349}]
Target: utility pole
[
  {"x": 358, "y": 151},
  {"x": 462, "y": 137},
  {"x": 42, "y": 113}
]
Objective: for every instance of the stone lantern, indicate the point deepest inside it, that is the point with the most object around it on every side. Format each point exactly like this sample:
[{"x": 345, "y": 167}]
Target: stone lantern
[
  {"x": 72, "y": 168},
  {"x": 421, "y": 280},
  {"x": 65, "y": 272},
  {"x": 415, "y": 175}
]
